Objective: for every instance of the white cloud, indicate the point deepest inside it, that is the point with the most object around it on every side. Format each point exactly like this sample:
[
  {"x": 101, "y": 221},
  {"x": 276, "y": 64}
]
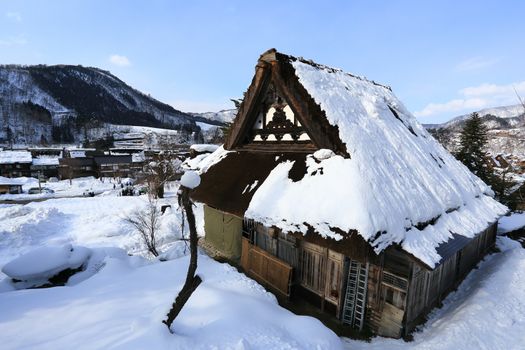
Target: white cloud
[
  {"x": 476, "y": 63},
  {"x": 456, "y": 105},
  {"x": 119, "y": 60},
  {"x": 13, "y": 41},
  {"x": 14, "y": 16},
  {"x": 477, "y": 97},
  {"x": 495, "y": 90}
]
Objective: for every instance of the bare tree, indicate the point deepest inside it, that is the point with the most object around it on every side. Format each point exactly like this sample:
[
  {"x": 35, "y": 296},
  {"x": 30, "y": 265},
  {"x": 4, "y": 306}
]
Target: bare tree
[
  {"x": 146, "y": 222},
  {"x": 522, "y": 101},
  {"x": 164, "y": 167},
  {"x": 192, "y": 280}
]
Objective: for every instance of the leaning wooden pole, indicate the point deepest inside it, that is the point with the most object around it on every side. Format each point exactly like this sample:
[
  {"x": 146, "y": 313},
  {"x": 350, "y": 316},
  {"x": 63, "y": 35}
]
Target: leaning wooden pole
[{"x": 192, "y": 280}]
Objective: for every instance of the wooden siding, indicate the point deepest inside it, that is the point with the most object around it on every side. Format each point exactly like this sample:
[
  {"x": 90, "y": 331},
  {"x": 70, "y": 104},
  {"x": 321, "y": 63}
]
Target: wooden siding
[
  {"x": 373, "y": 314},
  {"x": 313, "y": 268},
  {"x": 400, "y": 290},
  {"x": 334, "y": 277},
  {"x": 417, "y": 296},
  {"x": 391, "y": 321},
  {"x": 266, "y": 268},
  {"x": 397, "y": 262},
  {"x": 428, "y": 288}
]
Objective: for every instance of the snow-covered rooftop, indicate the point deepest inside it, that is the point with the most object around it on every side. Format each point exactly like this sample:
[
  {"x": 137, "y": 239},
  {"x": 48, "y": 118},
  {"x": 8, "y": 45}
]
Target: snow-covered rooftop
[
  {"x": 11, "y": 181},
  {"x": 77, "y": 153},
  {"x": 396, "y": 180},
  {"x": 43, "y": 160},
  {"x": 138, "y": 157},
  {"x": 10, "y": 157},
  {"x": 204, "y": 148}
]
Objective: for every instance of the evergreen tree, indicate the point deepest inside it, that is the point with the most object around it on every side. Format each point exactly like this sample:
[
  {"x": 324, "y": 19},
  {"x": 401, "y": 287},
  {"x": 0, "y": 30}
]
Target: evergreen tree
[{"x": 472, "y": 142}]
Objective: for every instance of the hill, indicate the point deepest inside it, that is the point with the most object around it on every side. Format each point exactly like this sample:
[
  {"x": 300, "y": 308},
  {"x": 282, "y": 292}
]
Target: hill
[
  {"x": 64, "y": 103},
  {"x": 506, "y": 130}
]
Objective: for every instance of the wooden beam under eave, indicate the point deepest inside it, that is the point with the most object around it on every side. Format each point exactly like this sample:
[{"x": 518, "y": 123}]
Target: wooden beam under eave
[{"x": 249, "y": 105}]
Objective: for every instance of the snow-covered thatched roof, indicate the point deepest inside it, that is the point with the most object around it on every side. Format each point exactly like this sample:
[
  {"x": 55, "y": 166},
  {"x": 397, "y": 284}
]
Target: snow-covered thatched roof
[{"x": 395, "y": 184}]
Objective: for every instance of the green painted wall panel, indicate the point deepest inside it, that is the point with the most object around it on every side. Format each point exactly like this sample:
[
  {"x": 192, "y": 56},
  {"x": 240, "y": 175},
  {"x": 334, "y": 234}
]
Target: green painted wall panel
[{"x": 224, "y": 232}]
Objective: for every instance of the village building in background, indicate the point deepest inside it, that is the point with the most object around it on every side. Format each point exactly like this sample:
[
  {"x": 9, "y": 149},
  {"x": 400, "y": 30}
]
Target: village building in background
[
  {"x": 15, "y": 163},
  {"x": 10, "y": 186}
]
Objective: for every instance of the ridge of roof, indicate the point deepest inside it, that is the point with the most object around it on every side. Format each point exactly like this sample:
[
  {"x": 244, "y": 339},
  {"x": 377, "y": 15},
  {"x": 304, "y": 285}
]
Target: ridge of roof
[{"x": 273, "y": 55}]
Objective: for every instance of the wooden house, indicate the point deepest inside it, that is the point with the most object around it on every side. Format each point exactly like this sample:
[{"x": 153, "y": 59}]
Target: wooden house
[
  {"x": 44, "y": 167},
  {"x": 327, "y": 189},
  {"x": 97, "y": 166},
  {"x": 114, "y": 165},
  {"x": 10, "y": 187},
  {"x": 71, "y": 168},
  {"x": 15, "y": 163}
]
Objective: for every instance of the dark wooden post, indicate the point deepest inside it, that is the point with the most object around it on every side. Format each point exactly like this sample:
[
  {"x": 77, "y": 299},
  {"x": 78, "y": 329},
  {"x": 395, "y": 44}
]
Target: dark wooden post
[{"x": 192, "y": 280}]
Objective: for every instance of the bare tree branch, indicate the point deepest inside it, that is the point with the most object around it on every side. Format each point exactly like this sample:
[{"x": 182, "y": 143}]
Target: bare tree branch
[
  {"x": 164, "y": 167},
  {"x": 522, "y": 101},
  {"x": 147, "y": 223}
]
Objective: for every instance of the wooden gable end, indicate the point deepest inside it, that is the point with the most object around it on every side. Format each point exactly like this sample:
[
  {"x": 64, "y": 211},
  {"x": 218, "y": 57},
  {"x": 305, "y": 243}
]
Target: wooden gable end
[{"x": 278, "y": 115}]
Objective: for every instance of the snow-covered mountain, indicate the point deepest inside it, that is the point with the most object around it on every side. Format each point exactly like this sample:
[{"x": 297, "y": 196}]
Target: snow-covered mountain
[
  {"x": 63, "y": 103},
  {"x": 506, "y": 130},
  {"x": 212, "y": 124},
  {"x": 219, "y": 118},
  {"x": 494, "y": 118}
]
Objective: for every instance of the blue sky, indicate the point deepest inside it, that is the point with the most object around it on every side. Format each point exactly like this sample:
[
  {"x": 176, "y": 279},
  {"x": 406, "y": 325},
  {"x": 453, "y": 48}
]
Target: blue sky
[{"x": 442, "y": 58}]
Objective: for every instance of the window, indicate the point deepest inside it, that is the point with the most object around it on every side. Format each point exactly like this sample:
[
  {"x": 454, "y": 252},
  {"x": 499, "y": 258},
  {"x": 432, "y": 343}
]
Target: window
[
  {"x": 395, "y": 281},
  {"x": 394, "y": 289},
  {"x": 394, "y": 297}
]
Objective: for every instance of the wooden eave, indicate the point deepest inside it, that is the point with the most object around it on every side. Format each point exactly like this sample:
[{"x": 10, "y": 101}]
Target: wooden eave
[{"x": 251, "y": 102}]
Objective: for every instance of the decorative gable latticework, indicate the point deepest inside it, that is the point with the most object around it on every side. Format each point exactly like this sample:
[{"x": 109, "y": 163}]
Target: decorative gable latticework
[
  {"x": 278, "y": 115},
  {"x": 276, "y": 122}
]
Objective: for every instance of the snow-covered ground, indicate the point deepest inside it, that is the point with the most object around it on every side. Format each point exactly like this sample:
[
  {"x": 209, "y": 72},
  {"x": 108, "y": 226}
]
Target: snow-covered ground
[
  {"x": 120, "y": 303},
  {"x": 91, "y": 221},
  {"x": 121, "y": 306},
  {"x": 511, "y": 223}
]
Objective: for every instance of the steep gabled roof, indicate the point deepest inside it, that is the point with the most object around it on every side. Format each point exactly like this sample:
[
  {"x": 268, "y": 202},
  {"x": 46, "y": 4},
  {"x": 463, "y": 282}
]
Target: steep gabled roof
[
  {"x": 389, "y": 180},
  {"x": 274, "y": 68}
]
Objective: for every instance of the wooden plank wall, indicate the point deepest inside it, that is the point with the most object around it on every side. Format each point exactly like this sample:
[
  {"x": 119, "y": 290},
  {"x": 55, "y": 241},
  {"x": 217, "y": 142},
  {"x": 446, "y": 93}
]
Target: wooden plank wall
[
  {"x": 448, "y": 275},
  {"x": 266, "y": 268},
  {"x": 373, "y": 311},
  {"x": 391, "y": 321},
  {"x": 428, "y": 288},
  {"x": 417, "y": 292},
  {"x": 313, "y": 272},
  {"x": 469, "y": 257}
]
